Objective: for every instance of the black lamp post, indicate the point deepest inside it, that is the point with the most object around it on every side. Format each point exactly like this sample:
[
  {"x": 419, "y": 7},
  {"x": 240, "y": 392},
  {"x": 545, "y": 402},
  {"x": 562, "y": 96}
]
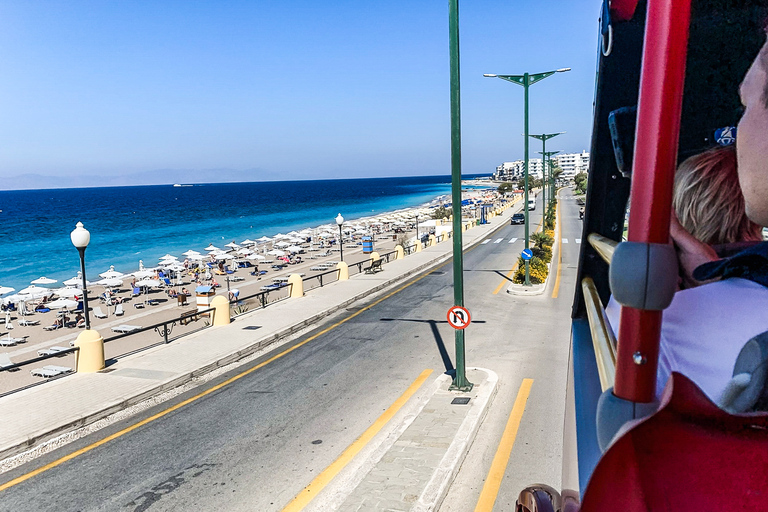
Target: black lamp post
[
  {"x": 80, "y": 238},
  {"x": 340, "y": 222}
]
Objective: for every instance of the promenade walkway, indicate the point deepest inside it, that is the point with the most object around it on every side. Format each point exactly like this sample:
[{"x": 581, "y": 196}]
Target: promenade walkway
[{"x": 408, "y": 468}]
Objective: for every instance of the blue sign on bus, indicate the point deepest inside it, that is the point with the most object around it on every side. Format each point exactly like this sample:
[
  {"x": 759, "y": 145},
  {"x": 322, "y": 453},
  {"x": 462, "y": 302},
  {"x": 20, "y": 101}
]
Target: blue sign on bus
[{"x": 527, "y": 254}]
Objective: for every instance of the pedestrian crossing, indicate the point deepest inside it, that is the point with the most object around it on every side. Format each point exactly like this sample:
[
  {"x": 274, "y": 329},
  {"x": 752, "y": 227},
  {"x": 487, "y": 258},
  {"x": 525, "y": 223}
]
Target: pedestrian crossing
[{"x": 513, "y": 240}]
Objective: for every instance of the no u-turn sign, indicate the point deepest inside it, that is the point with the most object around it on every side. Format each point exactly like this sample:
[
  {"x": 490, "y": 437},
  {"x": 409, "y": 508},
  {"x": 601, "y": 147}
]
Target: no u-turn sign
[{"x": 458, "y": 317}]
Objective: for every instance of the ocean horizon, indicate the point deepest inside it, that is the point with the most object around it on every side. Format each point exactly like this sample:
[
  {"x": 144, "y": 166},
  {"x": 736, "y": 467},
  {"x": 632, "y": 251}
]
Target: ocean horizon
[{"x": 144, "y": 222}]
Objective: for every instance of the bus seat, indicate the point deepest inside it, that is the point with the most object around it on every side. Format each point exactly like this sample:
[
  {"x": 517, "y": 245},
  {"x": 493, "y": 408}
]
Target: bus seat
[
  {"x": 689, "y": 455},
  {"x": 748, "y": 389}
]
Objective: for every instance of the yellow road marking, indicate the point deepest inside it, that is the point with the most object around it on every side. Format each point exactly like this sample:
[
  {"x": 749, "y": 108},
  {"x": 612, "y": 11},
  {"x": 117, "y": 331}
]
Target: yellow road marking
[
  {"x": 556, "y": 288},
  {"x": 514, "y": 267},
  {"x": 318, "y": 484},
  {"x": 188, "y": 401},
  {"x": 501, "y": 459}
]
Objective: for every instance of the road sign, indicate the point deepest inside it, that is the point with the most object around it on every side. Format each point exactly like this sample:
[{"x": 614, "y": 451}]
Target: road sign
[
  {"x": 527, "y": 254},
  {"x": 458, "y": 317}
]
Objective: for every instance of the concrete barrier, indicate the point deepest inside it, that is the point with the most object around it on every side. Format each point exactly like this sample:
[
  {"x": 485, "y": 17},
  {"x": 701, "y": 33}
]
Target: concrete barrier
[
  {"x": 221, "y": 315},
  {"x": 90, "y": 357},
  {"x": 400, "y": 252},
  {"x": 297, "y": 286},
  {"x": 343, "y": 269}
]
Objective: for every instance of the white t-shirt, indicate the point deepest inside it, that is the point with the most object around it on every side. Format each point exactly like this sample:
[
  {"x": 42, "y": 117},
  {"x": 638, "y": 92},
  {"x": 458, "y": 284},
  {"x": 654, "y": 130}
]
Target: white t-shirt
[{"x": 704, "y": 329}]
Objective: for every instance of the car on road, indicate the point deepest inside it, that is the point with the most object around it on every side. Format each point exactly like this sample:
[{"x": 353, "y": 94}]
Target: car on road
[{"x": 518, "y": 218}]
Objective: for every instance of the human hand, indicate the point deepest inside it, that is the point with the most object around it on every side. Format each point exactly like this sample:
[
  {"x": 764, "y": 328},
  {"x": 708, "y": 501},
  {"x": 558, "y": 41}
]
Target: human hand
[{"x": 690, "y": 252}]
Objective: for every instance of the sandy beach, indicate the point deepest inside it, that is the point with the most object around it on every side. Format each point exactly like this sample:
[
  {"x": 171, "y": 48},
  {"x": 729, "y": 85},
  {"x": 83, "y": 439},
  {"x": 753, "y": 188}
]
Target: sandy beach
[{"x": 386, "y": 229}]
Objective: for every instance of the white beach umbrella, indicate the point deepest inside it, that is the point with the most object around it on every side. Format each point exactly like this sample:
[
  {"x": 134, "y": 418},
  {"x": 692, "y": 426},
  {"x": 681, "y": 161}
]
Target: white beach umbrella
[
  {"x": 141, "y": 274},
  {"x": 6, "y": 289},
  {"x": 34, "y": 291},
  {"x": 247, "y": 241},
  {"x": 148, "y": 282},
  {"x": 68, "y": 293},
  {"x": 282, "y": 244},
  {"x": 110, "y": 282},
  {"x": 212, "y": 248},
  {"x": 275, "y": 252},
  {"x": 196, "y": 257},
  {"x": 62, "y": 304},
  {"x": 255, "y": 257},
  {"x": 264, "y": 239},
  {"x": 244, "y": 251},
  {"x": 294, "y": 248},
  {"x": 190, "y": 253},
  {"x": 111, "y": 273},
  {"x": 44, "y": 280},
  {"x": 232, "y": 245}
]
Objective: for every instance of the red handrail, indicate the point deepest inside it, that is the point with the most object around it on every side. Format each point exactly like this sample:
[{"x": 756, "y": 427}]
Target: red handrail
[{"x": 658, "y": 124}]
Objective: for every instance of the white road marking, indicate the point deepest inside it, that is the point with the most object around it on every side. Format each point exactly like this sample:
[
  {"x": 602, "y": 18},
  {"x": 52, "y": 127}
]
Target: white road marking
[
  {"x": 565, "y": 240},
  {"x": 512, "y": 240},
  {"x": 578, "y": 240},
  {"x": 485, "y": 241},
  {"x": 498, "y": 240}
]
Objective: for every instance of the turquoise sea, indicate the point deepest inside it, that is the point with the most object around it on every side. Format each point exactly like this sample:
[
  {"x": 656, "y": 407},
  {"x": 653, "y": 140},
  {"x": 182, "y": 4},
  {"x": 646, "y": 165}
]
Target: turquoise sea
[{"x": 129, "y": 224}]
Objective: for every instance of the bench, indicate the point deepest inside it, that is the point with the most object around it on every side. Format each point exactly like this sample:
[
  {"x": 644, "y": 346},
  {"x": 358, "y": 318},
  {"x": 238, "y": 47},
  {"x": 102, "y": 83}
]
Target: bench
[
  {"x": 374, "y": 267},
  {"x": 188, "y": 317}
]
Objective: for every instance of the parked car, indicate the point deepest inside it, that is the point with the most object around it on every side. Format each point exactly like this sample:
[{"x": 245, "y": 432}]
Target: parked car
[{"x": 518, "y": 218}]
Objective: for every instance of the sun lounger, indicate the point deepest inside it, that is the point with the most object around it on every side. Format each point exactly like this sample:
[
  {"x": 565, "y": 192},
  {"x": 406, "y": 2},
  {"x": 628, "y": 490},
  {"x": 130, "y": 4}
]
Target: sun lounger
[
  {"x": 50, "y": 371},
  {"x": 50, "y": 351},
  {"x": 23, "y": 321},
  {"x": 5, "y": 361},
  {"x": 126, "y": 328},
  {"x": 236, "y": 279},
  {"x": 119, "y": 310},
  {"x": 98, "y": 313},
  {"x": 136, "y": 292},
  {"x": 10, "y": 342}
]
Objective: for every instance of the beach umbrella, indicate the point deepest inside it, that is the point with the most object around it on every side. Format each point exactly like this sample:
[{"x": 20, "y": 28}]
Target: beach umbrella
[
  {"x": 196, "y": 257},
  {"x": 212, "y": 248},
  {"x": 34, "y": 291},
  {"x": 110, "y": 282},
  {"x": 232, "y": 245},
  {"x": 244, "y": 251},
  {"x": 141, "y": 274},
  {"x": 111, "y": 273},
  {"x": 190, "y": 253},
  {"x": 294, "y": 248},
  {"x": 148, "y": 282},
  {"x": 282, "y": 244},
  {"x": 68, "y": 293},
  {"x": 43, "y": 280},
  {"x": 247, "y": 241},
  {"x": 275, "y": 252},
  {"x": 255, "y": 257},
  {"x": 264, "y": 239},
  {"x": 6, "y": 289},
  {"x": 62, "y": 304}
]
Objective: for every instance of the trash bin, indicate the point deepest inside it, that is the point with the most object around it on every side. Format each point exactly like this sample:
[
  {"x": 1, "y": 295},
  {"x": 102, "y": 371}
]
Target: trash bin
[
  {"x": 367, "y": 245},
  {"x": 205, "y": 295}
]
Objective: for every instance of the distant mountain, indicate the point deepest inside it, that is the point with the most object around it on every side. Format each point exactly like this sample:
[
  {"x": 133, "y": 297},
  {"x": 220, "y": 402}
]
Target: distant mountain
[{"x": 155, "y": 177}]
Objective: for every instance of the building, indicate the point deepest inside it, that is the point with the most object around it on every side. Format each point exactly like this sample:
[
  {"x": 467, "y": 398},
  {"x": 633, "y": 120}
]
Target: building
[{"x": 571, "y": 164}]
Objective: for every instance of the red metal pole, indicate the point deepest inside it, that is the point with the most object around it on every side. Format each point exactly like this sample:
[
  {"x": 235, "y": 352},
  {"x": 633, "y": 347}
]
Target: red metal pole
[{"x": 658, "y": 125}]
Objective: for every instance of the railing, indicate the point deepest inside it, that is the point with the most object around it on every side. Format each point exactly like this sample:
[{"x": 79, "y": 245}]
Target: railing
[
  {"x": 16, "y": 366},
  {"x": 603, "y": 246},
  {"x": 603, "y": 339},
  {"x": 321, "y": 279},
  {"x": 262, "y": 298},
  {"x": 164, "y": 329}
]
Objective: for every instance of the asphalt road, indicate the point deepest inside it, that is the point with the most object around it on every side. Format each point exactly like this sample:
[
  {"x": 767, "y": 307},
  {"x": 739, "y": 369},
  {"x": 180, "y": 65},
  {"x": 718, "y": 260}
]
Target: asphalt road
[{"x": 254, "y": 444}]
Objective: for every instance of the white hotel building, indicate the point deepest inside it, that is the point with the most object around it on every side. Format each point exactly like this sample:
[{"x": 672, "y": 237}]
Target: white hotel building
[{"x": 571, "y": 164}]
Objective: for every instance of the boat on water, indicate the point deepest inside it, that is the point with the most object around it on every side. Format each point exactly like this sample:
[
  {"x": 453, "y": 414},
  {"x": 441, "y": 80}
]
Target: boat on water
[{"x": 180, "y": 185}]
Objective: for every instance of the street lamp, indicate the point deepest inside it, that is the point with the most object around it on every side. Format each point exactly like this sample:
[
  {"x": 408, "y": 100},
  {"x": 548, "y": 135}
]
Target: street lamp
[
  {"x": 80, "y": 238},
  {"x": 340, "y": 222},
  {"x": 544, "y": 137},
  {"x": 526, "y": 80},
  {"x": 548, "y": 155}
]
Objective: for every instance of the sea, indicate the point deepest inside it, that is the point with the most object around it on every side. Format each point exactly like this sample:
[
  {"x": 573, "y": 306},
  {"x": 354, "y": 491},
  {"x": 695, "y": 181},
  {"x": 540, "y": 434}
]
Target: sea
[{"x": 129, "y": 224}]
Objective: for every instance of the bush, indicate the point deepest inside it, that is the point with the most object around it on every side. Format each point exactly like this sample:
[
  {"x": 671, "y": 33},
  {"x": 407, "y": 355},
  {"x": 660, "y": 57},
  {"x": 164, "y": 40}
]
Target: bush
[
  {"x": 542, "y": 239},
  {"x": 543, "y": 253}
]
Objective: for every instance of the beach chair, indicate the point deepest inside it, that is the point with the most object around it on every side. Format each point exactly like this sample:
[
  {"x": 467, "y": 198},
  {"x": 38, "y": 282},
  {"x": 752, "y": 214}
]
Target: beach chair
[
  {"x": 126, "y": 328},
  {"x": 25, "y": 322},
  {"x": 119, "y": 310},
  {"x": 10, "y": 342},
  {"x": 136, "y": 291},
  {"x": 98, "y": 313},
  {"x": 51, "y": 351},
  {"x": 5, "y": 361},
  {"x": 167, "y": 282},
  {"x": 50, "y": 371}
]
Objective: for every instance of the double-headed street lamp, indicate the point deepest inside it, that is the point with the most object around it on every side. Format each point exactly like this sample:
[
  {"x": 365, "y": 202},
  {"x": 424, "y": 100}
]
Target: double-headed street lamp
[
  {"x": 340, "y": 222},
  {"x": 544, "y": 137},
  {"x": 526, "y": 80},
  {"x": 551, "y": 184},
  {"x": 80, "y": 238}
]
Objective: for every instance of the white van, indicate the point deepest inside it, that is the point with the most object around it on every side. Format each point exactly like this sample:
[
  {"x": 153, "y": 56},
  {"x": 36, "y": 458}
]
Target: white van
[{"x": 531, "y": 203}]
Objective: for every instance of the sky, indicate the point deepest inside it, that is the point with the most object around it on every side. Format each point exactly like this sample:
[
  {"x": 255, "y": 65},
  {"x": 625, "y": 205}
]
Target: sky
[{"x": 285, "y": 89}]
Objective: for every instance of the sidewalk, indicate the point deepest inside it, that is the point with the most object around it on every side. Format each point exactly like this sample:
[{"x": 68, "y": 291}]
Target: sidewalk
[{"x": 434, "y": 427}]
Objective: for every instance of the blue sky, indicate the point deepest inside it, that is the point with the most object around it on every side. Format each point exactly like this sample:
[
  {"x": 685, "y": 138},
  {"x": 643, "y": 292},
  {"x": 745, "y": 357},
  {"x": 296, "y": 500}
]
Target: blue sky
[{"x": 284, "y": 89}]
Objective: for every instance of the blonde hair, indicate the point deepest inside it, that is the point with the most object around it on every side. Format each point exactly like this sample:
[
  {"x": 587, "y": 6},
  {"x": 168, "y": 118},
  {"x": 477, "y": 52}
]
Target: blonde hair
[{"x": 708, "y": 200}]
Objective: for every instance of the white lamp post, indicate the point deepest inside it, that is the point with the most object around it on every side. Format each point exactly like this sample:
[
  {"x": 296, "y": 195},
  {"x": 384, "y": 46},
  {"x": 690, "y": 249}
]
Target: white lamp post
[
  {"x": 340, "y": 222},
  {"x": 80, "y": 238}
]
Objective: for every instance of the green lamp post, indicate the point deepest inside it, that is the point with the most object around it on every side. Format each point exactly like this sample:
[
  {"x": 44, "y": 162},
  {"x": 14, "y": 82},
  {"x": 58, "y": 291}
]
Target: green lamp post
[
  {"x": 544, "y": 137},
  {"x": 526, "y": 80},
  {"x": 551, "y": 184}
]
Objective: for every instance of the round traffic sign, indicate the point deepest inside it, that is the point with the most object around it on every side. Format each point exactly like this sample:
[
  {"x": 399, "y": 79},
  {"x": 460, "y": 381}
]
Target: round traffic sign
[
  {"x": 527, "y": 254},
  {"x": 458, "y": 317}
]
